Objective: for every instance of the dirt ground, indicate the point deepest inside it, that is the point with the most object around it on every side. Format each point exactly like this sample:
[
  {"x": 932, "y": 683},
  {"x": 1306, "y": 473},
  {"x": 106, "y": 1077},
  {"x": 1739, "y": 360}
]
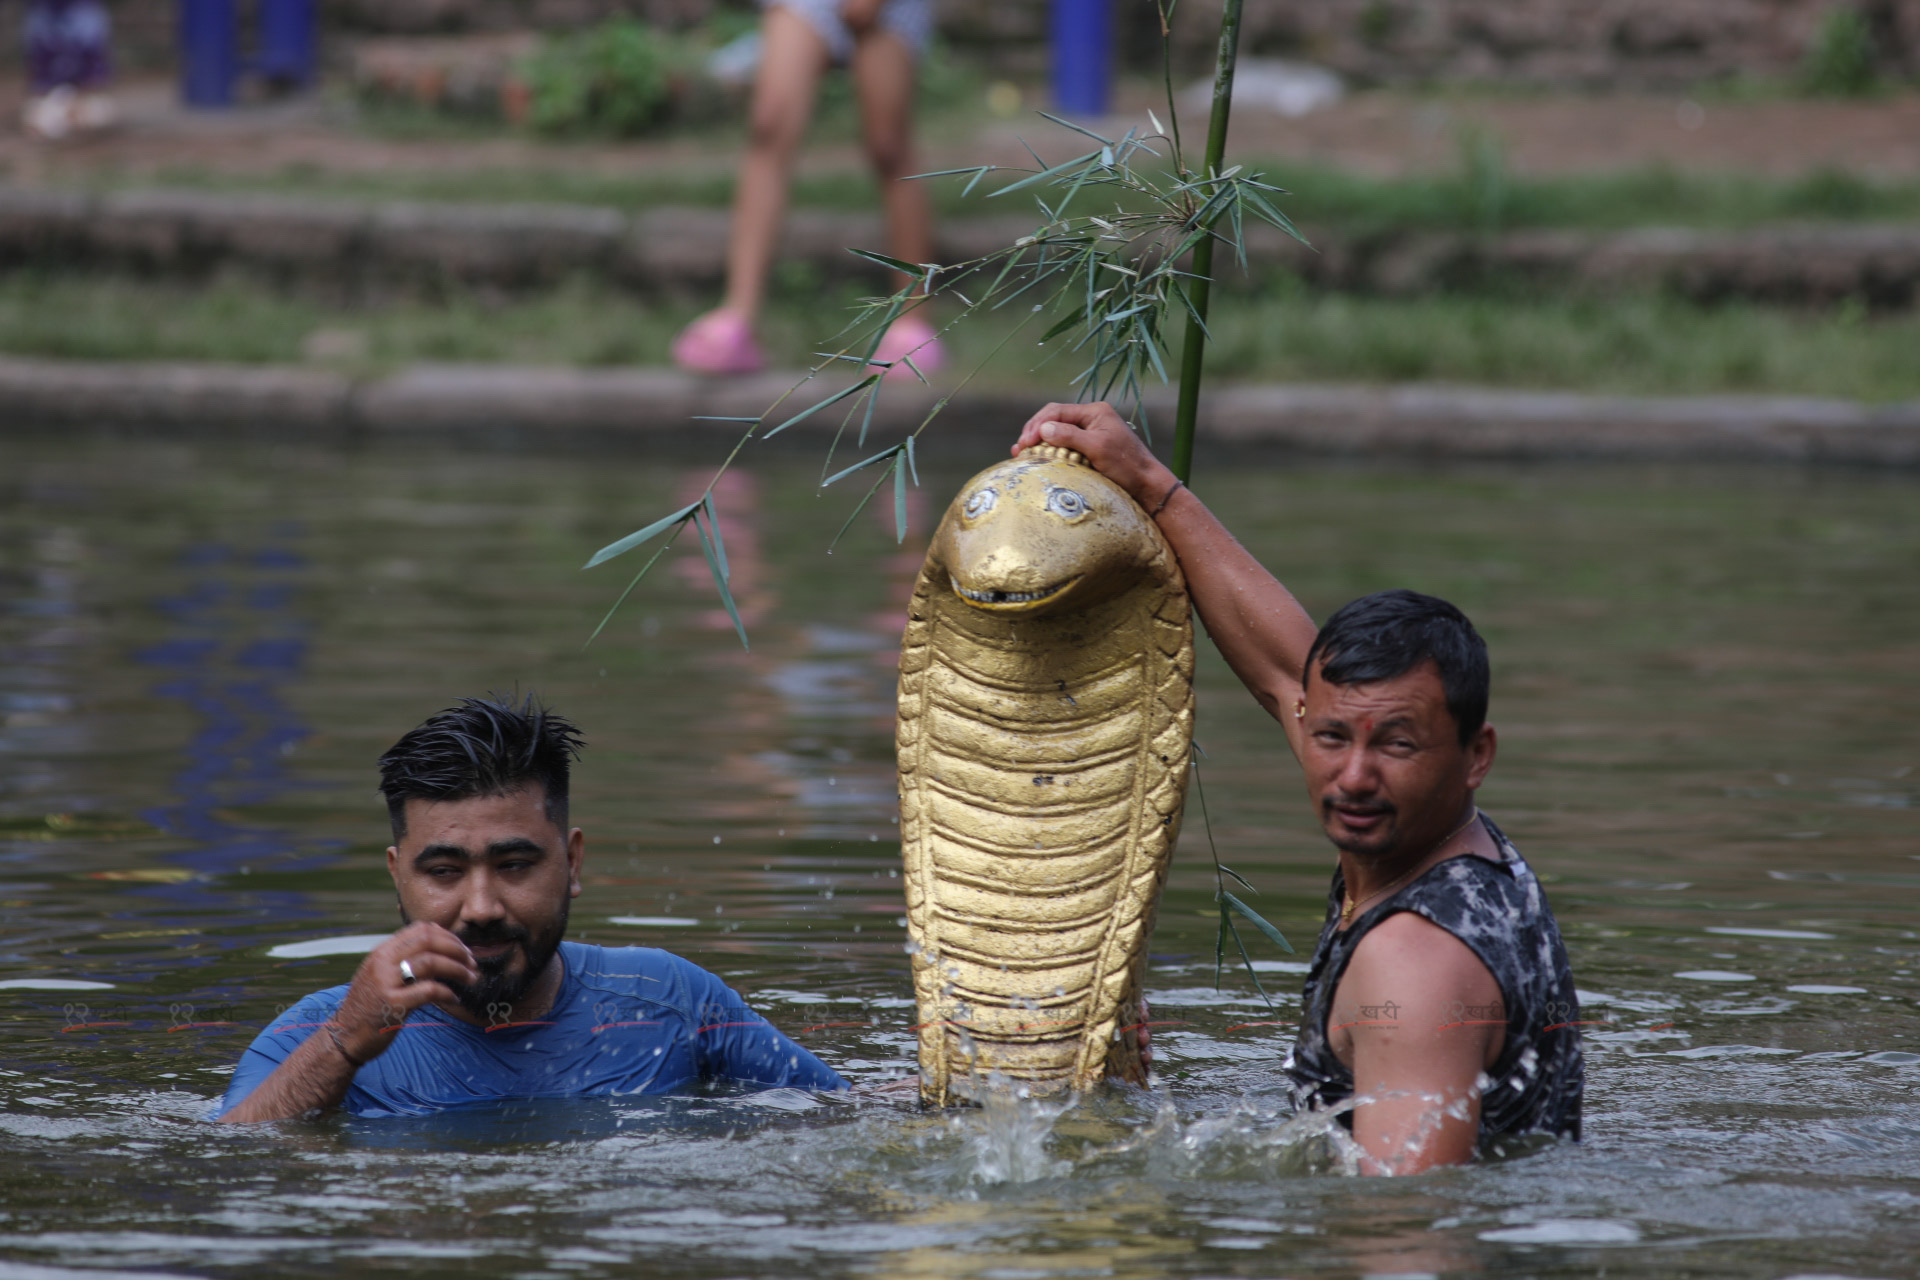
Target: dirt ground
[{"x": 1380, "y": 133}]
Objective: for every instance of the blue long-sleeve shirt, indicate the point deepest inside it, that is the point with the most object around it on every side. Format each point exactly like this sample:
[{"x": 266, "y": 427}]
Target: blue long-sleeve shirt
[{"x": 626, "y": 1020}]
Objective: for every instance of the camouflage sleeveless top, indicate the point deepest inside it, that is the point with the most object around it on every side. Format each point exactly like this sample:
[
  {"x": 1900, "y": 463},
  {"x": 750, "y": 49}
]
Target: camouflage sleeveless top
[{"x": 1499, "y": 911}]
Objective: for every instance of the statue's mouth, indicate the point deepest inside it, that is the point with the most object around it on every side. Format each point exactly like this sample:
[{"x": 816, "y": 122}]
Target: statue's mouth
[{"x": 1009, "y": 599}]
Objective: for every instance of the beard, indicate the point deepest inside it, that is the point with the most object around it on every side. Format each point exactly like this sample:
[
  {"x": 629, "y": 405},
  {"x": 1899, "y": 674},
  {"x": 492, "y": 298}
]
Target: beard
[
  {"x": 1381, "y": 843},
  {"x": 500, "y": 987}
]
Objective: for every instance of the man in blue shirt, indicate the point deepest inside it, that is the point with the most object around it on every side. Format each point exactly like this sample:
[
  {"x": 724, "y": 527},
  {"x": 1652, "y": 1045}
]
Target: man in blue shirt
[{"x": 477, "y": 997}]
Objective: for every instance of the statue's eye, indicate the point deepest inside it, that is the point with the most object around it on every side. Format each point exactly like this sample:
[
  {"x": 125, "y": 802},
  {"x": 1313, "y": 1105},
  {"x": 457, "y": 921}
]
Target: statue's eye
[
  {"x": 979, "y": 503},
  {"x": 1067, "y": 503}
]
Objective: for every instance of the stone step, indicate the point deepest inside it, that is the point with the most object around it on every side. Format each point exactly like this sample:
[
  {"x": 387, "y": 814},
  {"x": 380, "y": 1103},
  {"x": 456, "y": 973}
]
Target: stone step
[
  {"x": 549, "y": 408},
  {"x": 381, "y": 246}
]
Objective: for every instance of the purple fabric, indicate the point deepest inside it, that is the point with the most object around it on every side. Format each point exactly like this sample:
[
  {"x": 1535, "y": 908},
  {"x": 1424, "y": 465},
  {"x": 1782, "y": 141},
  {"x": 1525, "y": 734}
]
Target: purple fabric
[{"x": 69, "y": 42}]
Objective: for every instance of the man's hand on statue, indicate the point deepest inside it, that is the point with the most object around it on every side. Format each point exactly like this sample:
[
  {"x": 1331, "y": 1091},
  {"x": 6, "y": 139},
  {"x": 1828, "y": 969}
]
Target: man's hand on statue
[
  {"x": 383, "y": 993},
  {"x": 1098, "y": 433}
]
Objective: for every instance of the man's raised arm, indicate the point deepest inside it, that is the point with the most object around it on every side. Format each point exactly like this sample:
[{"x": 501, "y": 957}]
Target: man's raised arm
[{"x": 1255, "y": 622}]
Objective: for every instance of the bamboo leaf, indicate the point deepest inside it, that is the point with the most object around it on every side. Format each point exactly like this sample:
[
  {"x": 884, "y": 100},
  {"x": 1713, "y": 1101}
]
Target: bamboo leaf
[
  {"x": 1153, "y": 354},
  {"x": 1193, "y": 313},
  {"x": 947, "y": 173},
  {"x": 882, "y": 456},
  {"x": 857, "y": 509},
  {"x": 1237, "y": 876},
  {"x": 895, "y": 305},
  {"x": 651, "y": 560},
  {"x": 1274, "y": 216},
  {"x": 1248, "y": 961},
  {"x": 833, "y": 399},
  {"x": 866, "y": 419},
  {"x": 1076, "y": 128},
  {"x": 1045, "y": 174},
  {"x": 899, "y": 499},
  {"x": 1258, "y": 921},
  {"x": 639, "y": 536},
  {"x": 1059, "y": 328},
  {"x": 719, "y": 548},
  {"x": 717, "y": 568},
  {"x": 1239, "y": 236},
  {"x": 911, "y": 464},
  {"x": 915, "y": 269},
  {"x": 1220, "y": 945}
]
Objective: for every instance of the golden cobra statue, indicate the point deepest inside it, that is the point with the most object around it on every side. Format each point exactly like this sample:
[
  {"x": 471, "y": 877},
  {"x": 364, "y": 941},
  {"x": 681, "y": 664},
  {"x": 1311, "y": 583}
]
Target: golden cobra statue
[{"x": 1046, "y": 709}]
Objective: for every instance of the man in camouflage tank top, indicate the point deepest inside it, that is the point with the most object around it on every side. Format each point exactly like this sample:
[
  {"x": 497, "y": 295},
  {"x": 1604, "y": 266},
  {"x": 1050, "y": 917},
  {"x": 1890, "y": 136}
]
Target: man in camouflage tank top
[{"x": 1439, "y": 1014}]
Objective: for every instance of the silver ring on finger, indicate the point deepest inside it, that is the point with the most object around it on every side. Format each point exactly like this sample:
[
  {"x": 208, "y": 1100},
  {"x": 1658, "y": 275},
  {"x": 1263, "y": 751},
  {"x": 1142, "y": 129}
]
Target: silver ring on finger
[{"x": 407, "y": 976}]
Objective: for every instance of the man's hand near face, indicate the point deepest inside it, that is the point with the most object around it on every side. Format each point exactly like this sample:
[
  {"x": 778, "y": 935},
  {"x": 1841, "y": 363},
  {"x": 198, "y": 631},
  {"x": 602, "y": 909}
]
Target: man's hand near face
[{"x": 318, "y": 1073}]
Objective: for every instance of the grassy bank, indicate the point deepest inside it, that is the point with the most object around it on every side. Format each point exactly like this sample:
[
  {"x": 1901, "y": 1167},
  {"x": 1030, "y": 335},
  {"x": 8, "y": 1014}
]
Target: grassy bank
[
  {"x": 1478, "y": 194},
  {"x": 1632, "y": 345}
]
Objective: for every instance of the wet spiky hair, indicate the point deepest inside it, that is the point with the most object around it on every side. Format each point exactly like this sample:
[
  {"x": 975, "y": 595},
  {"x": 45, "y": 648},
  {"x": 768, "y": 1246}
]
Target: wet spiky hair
[
  {"x": 1389, "y": 633},
  {"x": 482, "y": 747}
]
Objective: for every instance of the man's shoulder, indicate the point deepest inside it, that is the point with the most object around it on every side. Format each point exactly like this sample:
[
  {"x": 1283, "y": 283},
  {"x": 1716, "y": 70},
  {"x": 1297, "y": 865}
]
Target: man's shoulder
[
  {"x": 1407, "y": 946},
  {"x": 295, "y": 1022},
  {"x": 643, "y": 970},
  {"x": 323, "y": 1004}
]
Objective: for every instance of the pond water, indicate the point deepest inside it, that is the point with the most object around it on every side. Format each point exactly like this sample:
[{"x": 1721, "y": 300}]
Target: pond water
[{"x": 1707, "y": 683}]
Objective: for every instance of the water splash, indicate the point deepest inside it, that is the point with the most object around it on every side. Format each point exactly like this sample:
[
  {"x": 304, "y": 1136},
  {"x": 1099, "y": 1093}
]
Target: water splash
[
  {"x": 1252, "y": 1140},
  {"x": 1004, "y": 1139}
]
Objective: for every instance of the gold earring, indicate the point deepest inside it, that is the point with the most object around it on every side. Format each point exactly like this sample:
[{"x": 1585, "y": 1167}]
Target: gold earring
[{"x": 1300, "y": 709}]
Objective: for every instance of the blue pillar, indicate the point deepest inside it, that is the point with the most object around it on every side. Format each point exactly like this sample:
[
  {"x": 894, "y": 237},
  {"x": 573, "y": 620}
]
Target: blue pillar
[
  {"x": 1082, "y": 55},
  {"x": 286, "y": 29},
  {"x": 209, "y": 52}
]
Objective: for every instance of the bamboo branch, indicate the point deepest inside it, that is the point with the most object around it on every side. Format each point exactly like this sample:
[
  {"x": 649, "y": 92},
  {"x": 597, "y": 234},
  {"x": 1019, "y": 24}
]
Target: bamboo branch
[{"x": 1193, "y": 352}]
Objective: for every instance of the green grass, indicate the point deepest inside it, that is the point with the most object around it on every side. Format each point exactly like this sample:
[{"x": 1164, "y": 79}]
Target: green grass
[
  {"x": 1635, "y": 345},
  {"x": 1479, "y": 194},
  {"x": 1639, "y": 345}
]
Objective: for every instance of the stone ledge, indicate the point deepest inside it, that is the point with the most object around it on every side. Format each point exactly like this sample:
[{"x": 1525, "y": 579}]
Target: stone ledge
[
  {"x": 560, "y": 408},
  {"x": 262, "y": 401},
  {"x": 335, "y": 242}
]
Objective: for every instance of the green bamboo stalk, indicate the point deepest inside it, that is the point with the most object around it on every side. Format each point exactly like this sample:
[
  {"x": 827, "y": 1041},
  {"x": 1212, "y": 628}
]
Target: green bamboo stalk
[{"x": 1193, "y": 352}]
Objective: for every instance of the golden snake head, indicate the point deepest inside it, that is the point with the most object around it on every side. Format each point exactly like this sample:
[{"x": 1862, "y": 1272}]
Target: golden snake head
[{"x": 1039, "y": 530}]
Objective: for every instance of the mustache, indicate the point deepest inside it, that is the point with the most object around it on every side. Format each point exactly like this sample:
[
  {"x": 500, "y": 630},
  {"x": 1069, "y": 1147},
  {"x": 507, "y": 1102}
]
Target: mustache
[
  {"x": 1327, "y": 803},
  {"x": 493, "y": 934}
]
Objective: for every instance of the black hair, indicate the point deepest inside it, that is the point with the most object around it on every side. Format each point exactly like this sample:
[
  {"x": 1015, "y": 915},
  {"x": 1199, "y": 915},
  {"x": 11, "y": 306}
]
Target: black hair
[
  {"x": 1389, "y": 633},
  {"x": 482, "y": 747}
]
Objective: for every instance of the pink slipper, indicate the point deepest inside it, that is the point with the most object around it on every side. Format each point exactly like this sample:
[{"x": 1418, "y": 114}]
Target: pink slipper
[
  {"x": 718, "y": 342},
  {"x": 911, "y": 336}
]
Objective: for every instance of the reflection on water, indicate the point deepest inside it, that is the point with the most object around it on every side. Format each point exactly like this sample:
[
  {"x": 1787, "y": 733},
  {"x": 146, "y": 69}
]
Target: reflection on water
[
  {"x": 1706, "y": 682},
  {"x": 235, "y": 641}
]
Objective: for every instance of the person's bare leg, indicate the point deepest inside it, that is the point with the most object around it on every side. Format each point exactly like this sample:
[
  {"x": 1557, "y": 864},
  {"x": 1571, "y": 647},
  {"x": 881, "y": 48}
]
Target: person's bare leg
[
  {"x": 793, "y": 58},
  {"x": 883, "y": 77}
]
